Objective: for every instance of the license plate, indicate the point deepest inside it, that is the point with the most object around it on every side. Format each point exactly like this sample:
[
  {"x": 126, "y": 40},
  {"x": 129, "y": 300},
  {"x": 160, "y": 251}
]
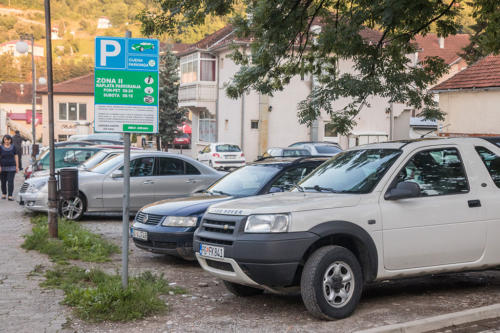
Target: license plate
[
  {"x": 143, "y": 235},
  {"x": 230, "y": 157},
  {"x": 211, "y": 251}
]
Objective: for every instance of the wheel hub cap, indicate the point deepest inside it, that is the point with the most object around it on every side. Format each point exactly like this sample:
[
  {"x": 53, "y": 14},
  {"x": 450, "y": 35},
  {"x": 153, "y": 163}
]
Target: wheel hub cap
[{"x": 338, "y": 284}]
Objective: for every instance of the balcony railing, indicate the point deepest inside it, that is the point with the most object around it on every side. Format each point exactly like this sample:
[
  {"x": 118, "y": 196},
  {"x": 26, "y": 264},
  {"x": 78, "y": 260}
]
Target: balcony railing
[{"x": 197, "y": 92}]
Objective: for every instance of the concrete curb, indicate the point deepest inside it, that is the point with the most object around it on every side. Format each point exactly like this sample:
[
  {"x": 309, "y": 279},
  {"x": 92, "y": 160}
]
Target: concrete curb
[{"x": 439, "y": 322}]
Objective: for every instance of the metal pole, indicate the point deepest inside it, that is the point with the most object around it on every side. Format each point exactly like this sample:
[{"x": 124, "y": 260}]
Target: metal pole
[
  {"x": 391, "y": 122},
  {"x": 52, "y": 183},
  {"x": 33, "y": 120},
  {"x": 126, "y": 200}
]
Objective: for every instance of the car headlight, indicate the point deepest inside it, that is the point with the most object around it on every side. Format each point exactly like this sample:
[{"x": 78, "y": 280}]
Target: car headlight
[
  {"x": 267, "y": 223},
  {"x": 180, "y": 221},
  {"x": 36, "y": 187}
]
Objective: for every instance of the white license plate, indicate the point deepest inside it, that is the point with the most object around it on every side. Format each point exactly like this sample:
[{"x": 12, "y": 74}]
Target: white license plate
[
  {"x": 211, "y": 251},
  {"x": 230, "y": 157},
  {"x": 143, "y": 235}
]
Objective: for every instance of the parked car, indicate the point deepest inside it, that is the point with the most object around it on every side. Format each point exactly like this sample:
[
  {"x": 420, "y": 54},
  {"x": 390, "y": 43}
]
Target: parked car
[
  {"x": 167, "y": 226},
  {"x": 222, "y": 156},
  {"x": 182, "y": 141},
  {"x": 64, "y": 157},
  {"x": 375, "y": 212},
  {"x": 153, "y": 176},
  {"x": 319, "y": 148},
  {"x": 286, "y": 152}
]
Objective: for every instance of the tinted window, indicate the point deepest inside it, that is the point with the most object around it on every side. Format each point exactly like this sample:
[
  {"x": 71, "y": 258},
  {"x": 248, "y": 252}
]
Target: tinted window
[
  {"x": 141, "y": 167},
  {"x": 191, "y": 170},
  {"x": 492, "y": 163},
  {"x": 227, "y": 149},
  {"x": 437, "y": 172},
  {"x": 170, "y": 166},
  {"x": 295, "y": 152},
  {"x": 292, "y": 176},
  {"x": 327, "y": 149},
  {"x": 248, "y": 180},
  {"x": 354, "y": 171}
]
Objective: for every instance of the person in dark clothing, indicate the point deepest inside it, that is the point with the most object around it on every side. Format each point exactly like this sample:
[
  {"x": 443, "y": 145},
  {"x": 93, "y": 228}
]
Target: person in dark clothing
[
  {"x": 9, "y": 165},
  {"x": 17, "y": 141}
]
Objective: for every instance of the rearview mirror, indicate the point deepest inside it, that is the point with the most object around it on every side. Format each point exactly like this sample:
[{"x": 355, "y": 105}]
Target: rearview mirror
[
  {"x": 117, "y": 174},
  {"x": 403, "y": 190}
]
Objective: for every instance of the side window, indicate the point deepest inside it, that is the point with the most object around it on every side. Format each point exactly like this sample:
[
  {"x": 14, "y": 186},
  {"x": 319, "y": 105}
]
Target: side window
[
  {"x": 142, "y": 167},
  {"x": 206, "y": 150},
  {"x": 292, "y": 176},
  {"x": 191, "y": 170},
  {"x": 437, "y": 172},
  {"x": 170, "y": 166},
  {"x": 492, "y": 163}
]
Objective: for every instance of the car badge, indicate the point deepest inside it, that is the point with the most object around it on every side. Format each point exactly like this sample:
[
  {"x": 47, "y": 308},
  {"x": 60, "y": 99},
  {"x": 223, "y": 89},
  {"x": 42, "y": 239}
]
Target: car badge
[
  {"x": 145, "y": 219},
  {"x": 226, "y": 226}
]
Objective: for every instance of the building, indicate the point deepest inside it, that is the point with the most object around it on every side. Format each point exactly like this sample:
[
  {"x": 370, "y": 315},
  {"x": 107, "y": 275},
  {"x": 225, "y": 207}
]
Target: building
[
  {"x": 16, "y": 104},
  {"x": 257, "y": 122},
  {"x": 10, "y": 47},
  {"x": 73, "y": 108},
  {"x": 471, "y": 100}
]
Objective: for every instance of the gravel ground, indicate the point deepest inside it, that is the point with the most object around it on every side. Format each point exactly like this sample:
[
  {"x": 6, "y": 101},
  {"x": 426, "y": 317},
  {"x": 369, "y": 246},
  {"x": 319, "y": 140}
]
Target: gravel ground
[{"x": 209, "y": 307}]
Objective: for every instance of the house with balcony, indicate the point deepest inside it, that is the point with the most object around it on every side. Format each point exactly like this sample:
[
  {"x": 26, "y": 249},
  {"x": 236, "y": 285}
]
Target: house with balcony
[{"x": 257, "y": 122}]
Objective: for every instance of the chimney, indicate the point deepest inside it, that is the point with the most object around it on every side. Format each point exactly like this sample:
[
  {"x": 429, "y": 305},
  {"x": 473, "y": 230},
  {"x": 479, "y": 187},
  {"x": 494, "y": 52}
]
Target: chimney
[{"x": 441, "y": 42}]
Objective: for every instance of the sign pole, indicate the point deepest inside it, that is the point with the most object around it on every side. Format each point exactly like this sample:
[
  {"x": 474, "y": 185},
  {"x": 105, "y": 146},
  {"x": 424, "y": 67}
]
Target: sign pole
[{"x": 126, "y": 200}]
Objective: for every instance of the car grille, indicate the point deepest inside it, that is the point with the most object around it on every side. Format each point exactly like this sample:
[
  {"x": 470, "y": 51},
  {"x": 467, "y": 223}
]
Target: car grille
[
  {"x": 156, "y": 244},
  {"x": 215, "y": 241},
  {"x": 224, "y": 227},
  {"x": 145, "y": 218},
  {"x": 223, "y": 266},
  {"x": 24, "y": 188}
]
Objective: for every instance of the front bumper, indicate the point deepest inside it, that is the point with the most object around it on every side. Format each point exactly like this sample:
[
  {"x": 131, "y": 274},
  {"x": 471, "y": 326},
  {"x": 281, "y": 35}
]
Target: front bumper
[
  {"x": 175, "y": 241},
  {"x": 37, "y": 202},
  {"x": 258, "y": 260}
]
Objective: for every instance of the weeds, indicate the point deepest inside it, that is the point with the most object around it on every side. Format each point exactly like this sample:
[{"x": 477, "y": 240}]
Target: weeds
[
  {"x": 74, "y": 242},
  {"x": 97, "y": 296}
]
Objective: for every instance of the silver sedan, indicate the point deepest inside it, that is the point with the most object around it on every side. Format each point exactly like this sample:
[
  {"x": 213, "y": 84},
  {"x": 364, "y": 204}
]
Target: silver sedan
[{"x": 153, "y": 176}]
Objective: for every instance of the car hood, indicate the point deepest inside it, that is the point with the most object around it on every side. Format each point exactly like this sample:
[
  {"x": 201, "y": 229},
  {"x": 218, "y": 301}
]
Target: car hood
[
  {"x": 186, "y": 206},
  {"x": 285, "y": 202}
]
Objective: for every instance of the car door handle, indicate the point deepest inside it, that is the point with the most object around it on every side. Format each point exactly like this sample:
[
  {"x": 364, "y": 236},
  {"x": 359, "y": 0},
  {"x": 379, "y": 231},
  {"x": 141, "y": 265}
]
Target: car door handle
[
  {"x": 148, "y": 182},
  {"x": 474, "y": 203},
  {"x": 191, "y": 181}
]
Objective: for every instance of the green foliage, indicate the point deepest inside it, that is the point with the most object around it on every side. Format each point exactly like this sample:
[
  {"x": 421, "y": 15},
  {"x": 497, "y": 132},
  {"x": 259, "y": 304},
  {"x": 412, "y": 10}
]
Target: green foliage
[
  {"x": 74, "y": 242},
  {"x": 170, "y": 115},
  {"x": 376, "y": 36},
  {"x": 96, "y": 296}
]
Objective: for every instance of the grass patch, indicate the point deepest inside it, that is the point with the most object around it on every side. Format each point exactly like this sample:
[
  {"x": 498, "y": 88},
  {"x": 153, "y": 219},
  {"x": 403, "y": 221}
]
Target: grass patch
[
  {"x": 75, "y": 242},
  {"x": 96, "y": 296}
]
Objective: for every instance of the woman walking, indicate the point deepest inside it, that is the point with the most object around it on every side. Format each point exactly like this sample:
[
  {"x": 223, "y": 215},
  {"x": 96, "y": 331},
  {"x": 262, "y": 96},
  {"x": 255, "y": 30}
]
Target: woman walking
[{"x": 9, "y": 165}]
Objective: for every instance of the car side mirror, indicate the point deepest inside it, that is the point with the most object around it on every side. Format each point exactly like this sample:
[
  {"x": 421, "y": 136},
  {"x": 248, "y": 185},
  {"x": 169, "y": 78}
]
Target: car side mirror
[
  {"x": 117, "y": 174},
  {"x": 275, "y": 189},
  {"x": 403, "y": 190}
]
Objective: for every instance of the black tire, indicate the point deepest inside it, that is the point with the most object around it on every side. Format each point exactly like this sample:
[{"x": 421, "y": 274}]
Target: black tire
[
  {"x": 141, "y": 49},
  {"x": 210, "y": 164},
  {"x": 241, "y": 290},
  {"x": 72, "y": 214},
  {"x": 315, "y": 290}
]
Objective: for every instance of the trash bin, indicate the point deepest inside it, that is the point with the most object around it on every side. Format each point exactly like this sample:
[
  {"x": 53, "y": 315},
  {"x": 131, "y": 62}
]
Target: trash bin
[{"x": 68, "y": 182}]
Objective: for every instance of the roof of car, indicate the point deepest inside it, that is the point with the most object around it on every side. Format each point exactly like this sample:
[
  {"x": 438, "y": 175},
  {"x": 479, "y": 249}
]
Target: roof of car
[{"x": 399, "y": 144}]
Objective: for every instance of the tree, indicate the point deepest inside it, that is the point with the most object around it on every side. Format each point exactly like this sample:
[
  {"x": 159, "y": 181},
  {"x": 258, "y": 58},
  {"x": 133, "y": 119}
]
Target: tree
[
  {"x": 170, "y": 115},
  {"x": 300, "y": 37}
]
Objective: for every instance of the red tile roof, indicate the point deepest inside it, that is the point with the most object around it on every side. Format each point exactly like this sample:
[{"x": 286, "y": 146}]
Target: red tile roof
[
  {"x": 83, "y": 85},
  {"x": 483, "y": 74},
  {"x": 453, "y": 45},
  {"x": 16, "y": 93}
]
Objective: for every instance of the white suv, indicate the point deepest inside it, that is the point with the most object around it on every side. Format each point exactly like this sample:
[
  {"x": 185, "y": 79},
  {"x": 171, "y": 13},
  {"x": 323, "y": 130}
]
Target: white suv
[
  {"x": 374, "y": 212},
  {"x": 222, "y": 156}
]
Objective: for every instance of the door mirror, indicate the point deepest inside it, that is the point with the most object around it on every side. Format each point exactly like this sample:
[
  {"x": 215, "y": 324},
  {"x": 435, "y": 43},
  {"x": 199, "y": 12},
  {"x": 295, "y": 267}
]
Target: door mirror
[
  {"x": 403, "y": 190},
  {"x": 275, "y": 189},
  {"x": 117, "y": 174}
]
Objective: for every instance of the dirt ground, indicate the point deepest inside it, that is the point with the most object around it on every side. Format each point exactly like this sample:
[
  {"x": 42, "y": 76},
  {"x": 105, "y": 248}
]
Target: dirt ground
[{"x": 209, "y": 307}]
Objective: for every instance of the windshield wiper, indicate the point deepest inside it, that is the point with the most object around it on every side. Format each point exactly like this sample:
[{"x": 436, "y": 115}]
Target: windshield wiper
[
  {"x": 318, "y": 188},
  {"x": 221, "y": 192}
]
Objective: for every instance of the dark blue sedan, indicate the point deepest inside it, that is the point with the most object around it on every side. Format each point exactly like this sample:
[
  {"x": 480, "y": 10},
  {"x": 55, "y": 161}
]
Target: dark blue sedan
[{"x": 168, "y": 226}]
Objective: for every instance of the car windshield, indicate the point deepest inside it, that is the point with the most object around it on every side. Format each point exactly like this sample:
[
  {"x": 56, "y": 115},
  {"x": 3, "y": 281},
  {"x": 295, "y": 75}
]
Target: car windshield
[
  {"x": 245, "y": 181},
  {"x": 327, "y": 149},
  {"x": 295, "y": 152},
  {"x": 94, "y": 160},
  {"x": 227, "y": 149},
  {"x": 354, "y": 171},
  {"x": 108, "y": 165}
]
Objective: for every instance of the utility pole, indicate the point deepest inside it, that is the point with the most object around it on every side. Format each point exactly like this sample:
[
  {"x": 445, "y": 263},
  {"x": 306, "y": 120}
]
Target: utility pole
[{"x": 52, "y": 183}]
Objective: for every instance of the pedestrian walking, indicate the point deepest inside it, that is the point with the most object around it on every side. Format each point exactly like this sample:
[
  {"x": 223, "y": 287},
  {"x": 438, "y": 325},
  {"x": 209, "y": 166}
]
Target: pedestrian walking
[
  {"x": 9, "y": 166},
  {"x": 17, "y": 141}
]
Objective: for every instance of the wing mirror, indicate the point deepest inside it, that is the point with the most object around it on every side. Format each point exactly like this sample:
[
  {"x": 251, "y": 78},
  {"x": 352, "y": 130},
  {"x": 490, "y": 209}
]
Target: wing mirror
[
  {"x": 403, "y": 190},
  {"x": 117, "y": 174}
]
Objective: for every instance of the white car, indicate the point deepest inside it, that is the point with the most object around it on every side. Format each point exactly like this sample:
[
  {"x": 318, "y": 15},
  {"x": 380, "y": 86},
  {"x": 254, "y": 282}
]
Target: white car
[
  {"x": 222, "y": 156},
  {"x": 374, "y": 212}
]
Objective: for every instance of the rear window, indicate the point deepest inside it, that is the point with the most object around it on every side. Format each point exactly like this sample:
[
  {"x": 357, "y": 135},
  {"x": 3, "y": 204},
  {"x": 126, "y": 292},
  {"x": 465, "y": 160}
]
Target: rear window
[
  {"x": 328, "y": 149},
  {"x": 227, "y": 149},
  {"x": 295, "y": 152}
]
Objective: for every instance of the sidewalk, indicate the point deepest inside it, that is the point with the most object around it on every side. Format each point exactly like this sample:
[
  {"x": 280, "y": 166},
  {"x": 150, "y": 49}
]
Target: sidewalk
[{"x": 24, "y": 306}]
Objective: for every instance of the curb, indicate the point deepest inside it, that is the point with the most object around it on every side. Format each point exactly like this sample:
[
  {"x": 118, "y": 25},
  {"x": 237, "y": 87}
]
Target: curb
[{"x": 439, "y": 322}]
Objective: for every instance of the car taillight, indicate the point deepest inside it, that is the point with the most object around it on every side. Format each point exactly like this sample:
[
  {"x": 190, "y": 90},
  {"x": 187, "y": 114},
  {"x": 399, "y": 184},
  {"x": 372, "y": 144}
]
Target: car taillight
[
  {"x": 242, "y": 155},
  {"x": 215, "y": 155}
]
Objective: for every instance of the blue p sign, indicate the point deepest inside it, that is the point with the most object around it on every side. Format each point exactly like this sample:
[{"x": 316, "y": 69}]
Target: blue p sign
[{"x": 110, "y": 53}]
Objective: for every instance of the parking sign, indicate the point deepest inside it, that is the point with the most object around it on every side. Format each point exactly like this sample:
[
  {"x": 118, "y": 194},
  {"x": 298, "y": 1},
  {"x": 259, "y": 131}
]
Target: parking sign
[{"x": 126, "y": 85}]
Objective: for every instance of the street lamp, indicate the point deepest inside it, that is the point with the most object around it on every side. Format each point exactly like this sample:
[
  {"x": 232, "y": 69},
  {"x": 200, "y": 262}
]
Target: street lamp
[{"x": 22, "y": 47}]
